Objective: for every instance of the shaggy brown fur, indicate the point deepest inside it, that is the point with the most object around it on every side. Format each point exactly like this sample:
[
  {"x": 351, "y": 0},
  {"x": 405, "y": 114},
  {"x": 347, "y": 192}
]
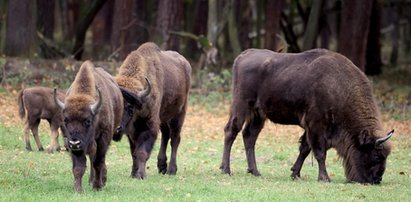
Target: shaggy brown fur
[
  {"x": 37, "y": 103},
  {"x": 92, "y": 110},
  {"x": 168, "y": 74},
  {"x": 324, "y": 93}
]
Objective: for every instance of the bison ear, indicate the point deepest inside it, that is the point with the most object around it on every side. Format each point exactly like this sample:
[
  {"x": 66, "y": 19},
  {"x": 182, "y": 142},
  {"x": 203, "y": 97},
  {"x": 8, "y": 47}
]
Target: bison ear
[
  {"x": 365, "y": 138},
  {"x": 131, "y": 98}
]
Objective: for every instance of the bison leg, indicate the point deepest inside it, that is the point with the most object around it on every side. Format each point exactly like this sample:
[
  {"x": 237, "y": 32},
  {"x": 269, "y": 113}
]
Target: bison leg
[
  {"x": 35, "y": 131},
  {"x": 231, "y": 130},
  {"x": 304, "y": 151},
  {"x": 79, "y": 167},
  {"x": 176, "y": 125},
  {"x": 319, "y": 147},
  {"x": 162, "y": 155},
  {"x": 27, "y": 136},
  {"x": 145, "y": 143},
  {"x": 54, "y": 143},
  {"x": 134, "y": 167},
  {"x": 100, "y": 169},
  {"x": 250, "y": 135}
]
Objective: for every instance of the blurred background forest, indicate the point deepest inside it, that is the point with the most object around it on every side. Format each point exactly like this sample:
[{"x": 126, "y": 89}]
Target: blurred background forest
[{"x": 43, "y": 36}]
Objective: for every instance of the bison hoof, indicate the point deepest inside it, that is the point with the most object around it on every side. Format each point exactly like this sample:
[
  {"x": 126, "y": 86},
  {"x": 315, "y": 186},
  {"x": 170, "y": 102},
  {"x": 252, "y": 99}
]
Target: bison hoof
[
  {"x": 324, "y": 179},
  {"x": 172, "y": 171},
  {"x": 50, "y": 150},
  {"x": 254, "y": 172},
  {"x": 225, "y": 170},
  {"x": 139, "y": 176},
  {"x": 162, "y": 168},
  {"x": 41, "y": 149},
  {"x": 295, "y": 176},
  {"x": 29, "y": 149}
]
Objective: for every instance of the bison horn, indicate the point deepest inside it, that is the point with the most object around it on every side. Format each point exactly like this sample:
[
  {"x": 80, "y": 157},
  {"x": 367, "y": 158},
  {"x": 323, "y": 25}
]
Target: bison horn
[
  {"x": 57, "y": 101},
  {"x": 146, "y": 91},
  {"x": 94, "y": 107},
  {"x": 380, "y": 141}
]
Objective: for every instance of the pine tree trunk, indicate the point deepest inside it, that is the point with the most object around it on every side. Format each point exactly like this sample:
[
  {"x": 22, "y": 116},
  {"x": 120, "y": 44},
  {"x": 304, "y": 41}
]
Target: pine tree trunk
[
  {"x": 87, "y": 17},
  {"x": 373, "y": 62},
  {"x": 128, "y": 31},
  {"x": 312, "y": 28},
  {"x": 169, "y": 16},
  {"x": 45, "y": 17},
  {"x": 20, "y": 28},
  {"x": 273, "y": 11},
  {"x": 355, "y": 23}
]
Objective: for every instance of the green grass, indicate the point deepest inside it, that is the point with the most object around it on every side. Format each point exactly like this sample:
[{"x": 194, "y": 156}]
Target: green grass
[{"x": 34, "y": 176}]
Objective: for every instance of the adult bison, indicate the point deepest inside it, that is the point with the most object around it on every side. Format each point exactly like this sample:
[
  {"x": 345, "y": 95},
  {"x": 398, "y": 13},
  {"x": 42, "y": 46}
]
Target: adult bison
[
  {"x": 319, "y": 90},
  {"x": 92, "y": 110},
  {"x": 155, "y": 86},
  {"x": 37, "y": 103}
]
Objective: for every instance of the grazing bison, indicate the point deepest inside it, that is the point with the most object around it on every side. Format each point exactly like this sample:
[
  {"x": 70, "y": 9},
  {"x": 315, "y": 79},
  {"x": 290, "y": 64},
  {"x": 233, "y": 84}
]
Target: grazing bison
[
  {"x": 319, "y": 90},
  {"x": 92, "y": 110},
  {"x": 37, "y": 103},
  {"x": 155, "y": 87}
]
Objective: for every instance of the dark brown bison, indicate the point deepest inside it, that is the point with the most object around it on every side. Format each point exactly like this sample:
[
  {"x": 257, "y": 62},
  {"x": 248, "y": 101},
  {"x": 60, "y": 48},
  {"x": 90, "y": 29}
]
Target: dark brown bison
[
  {"x": 319, "y": 90},
  {"x": 92, "y": 110},
  {"x": 155, "y": 86},
  {"x": 37, "y": 103}
]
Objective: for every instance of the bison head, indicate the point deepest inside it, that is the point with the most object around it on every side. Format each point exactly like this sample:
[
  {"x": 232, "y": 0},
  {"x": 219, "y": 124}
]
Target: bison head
[
  {"x": 132, "y": 103},
  {"x": 366, "y": 163},
  {"x": 79, "y": 120}
]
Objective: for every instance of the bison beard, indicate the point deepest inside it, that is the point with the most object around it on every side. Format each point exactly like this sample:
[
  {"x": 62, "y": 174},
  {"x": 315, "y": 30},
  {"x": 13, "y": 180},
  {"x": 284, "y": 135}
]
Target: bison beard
[{"x": 319, "y": 90}]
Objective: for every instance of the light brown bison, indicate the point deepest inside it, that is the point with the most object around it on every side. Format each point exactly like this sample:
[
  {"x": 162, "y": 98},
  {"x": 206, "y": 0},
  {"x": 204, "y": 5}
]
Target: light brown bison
[
  {"x": 37, "y": 103},
  {"x": 155, "y": 86},
  {"x": 319, "y": 90},
  {"x": 92, "y": 110}
]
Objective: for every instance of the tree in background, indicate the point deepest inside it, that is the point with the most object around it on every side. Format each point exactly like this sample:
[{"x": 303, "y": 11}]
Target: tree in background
[
  {"x": 169, "y": 19},
  {"x": 273, "y": 11},
  {"x": 20, "y": 30},
  {"x": 101, "y": 30},
  {"x": 128, "y": 31},
  {"x": 373, "y": 53},
  {"x": 353, "y": 36}
]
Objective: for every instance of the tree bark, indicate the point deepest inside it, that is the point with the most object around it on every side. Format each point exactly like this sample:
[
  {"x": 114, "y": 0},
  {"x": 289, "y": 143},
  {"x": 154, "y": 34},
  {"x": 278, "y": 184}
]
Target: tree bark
[
  {"x": 87, "y": 17},
  {"x": 355, "y": 23},
  {"x": 312, "y": 29},
  {"x": 169, "y": 16},
  {"x": 20, "y": 28},
  {"x": 102, "y": 29},
  {"x": 45, "y": 17},
  {"x": 374, "y": 63},
  {"x": 128, "y": 31},
  {"x": 232, "y": 28},
  {"x": 273, "y": 11}
]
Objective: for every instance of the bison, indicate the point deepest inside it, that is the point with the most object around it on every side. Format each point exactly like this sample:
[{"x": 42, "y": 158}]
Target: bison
[
  {"x": 155, "y": 86},
  {"x": 92, "y": 110},
  {"x": 37, "y": 103},
  {"x": 319, "y": 90}
]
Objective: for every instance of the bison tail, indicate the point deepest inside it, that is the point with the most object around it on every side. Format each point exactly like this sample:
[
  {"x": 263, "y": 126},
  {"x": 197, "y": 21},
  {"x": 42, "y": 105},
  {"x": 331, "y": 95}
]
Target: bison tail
[{"x": 22, "y": 111}]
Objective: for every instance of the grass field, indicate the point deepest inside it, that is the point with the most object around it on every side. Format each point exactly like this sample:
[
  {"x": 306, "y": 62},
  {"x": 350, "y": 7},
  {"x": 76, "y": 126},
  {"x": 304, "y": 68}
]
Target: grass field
[{"x": 35, "y": 176}]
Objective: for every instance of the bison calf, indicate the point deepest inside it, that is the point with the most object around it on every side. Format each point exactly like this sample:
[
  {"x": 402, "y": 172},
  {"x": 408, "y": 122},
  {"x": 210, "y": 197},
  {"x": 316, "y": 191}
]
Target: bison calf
[
  {"x": 319, "y": 90},
  {"x": 92, "y": 110},
  {"x": 37, "y": 103}
]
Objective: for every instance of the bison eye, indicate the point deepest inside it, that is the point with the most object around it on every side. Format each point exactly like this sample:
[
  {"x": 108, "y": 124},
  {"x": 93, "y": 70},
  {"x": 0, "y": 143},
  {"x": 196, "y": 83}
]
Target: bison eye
[
  {"x": 65, "y": 120},
  {"x": 87, "y": 123}
]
